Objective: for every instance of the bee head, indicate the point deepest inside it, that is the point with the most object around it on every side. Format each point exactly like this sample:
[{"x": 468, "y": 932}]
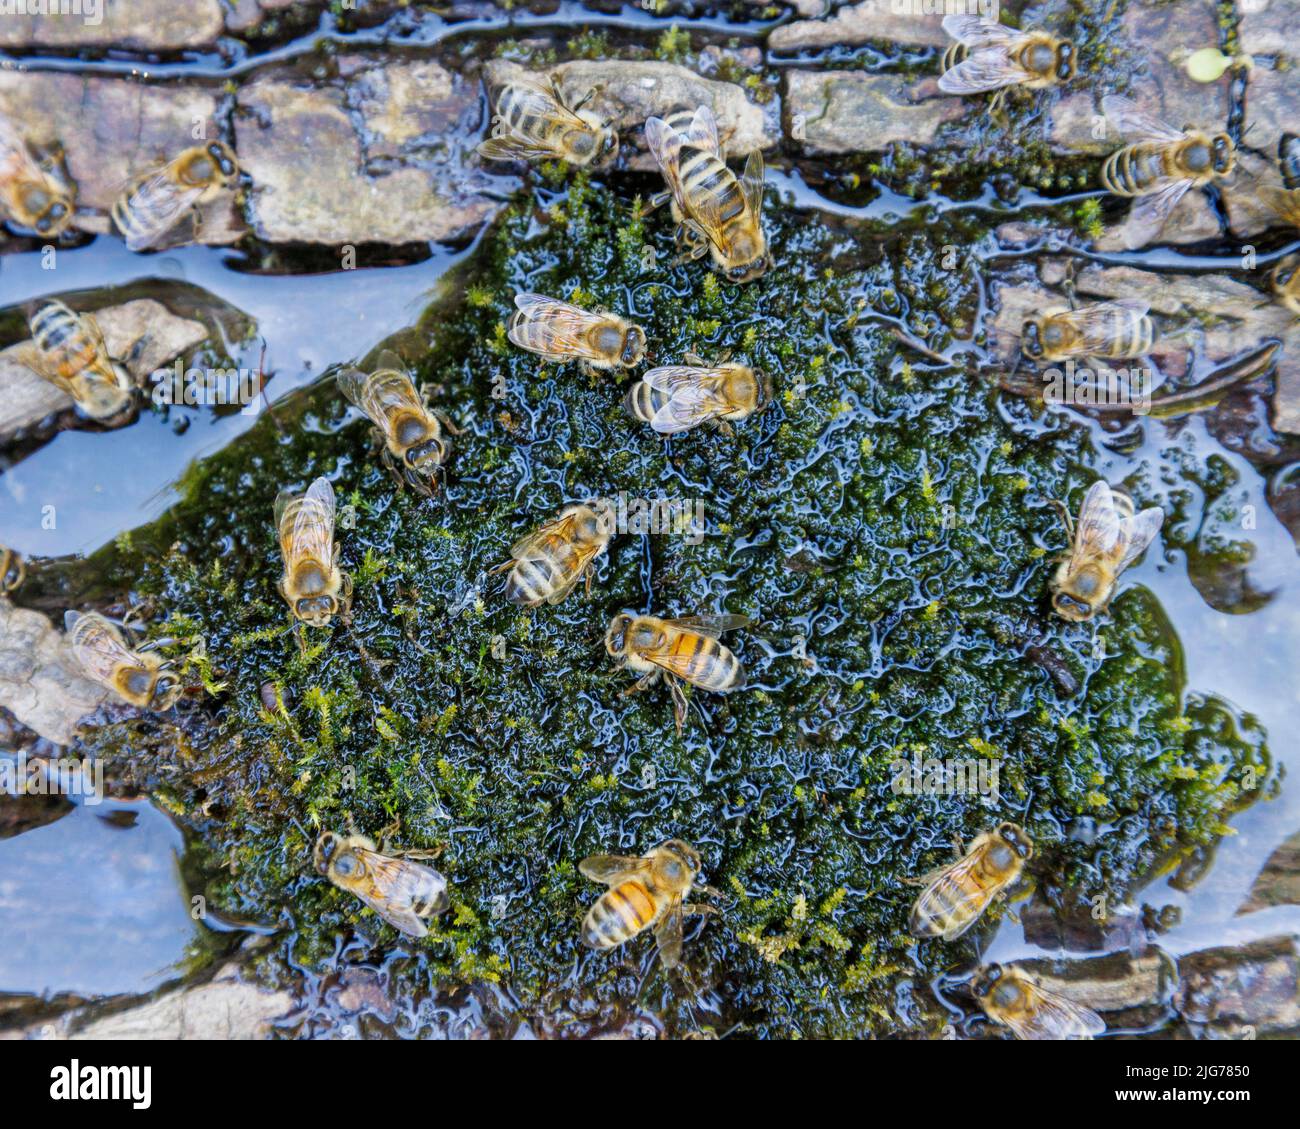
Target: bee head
[
  {"x": 316, "y": 611},
  {"x": 167, "y": 689},
  {"x": 602, "y": 142},
  {"x": 616, "y": 635},
  {"x": 325, "y": 849},
  {"x": 52, "y": 212},
  {"x": 1224, "y": 152},
  {"x": 1064, "y": 61},
  {"x": 763, "y": 393},
  {"x": 429, "y": 455},
  {"x": 1031, "y": 340},
  {"x": 633, "y": 346},
  {"x": 986, "y": 979},
  {"x": 1283, "y": 275},
  {"x": 1015, "y": 837},
  {"x": 1069, "y": 605},
  {"x": 222, "y": 159}
]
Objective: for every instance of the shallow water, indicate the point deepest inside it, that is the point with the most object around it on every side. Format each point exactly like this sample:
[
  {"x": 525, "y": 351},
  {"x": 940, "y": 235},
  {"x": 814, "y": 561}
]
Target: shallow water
[{"x": 105, "y": 485}]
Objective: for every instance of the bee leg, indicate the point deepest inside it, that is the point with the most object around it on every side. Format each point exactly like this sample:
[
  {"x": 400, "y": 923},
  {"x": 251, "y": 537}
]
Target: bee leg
[
  {"x": 588, "y": 571},
  {"x": 679, "y": 703},
  {"x": 996, "y": 104},
  {"x": 585, "y": 99},
  {"x": 725, "y": 428},
  {"x": 1064, "y": 515},
  {"x": 693, "y": 359},
  {"x": 643, "y": 683},
  {"x": 698, "y": 908},
  {"x": 350, "y": 823},
  {"x": 658, "y": 200},
  {"x": 424, "y": 853},
  {"x": 446, "y": 422},
  {"x": 300, "y": 634}
]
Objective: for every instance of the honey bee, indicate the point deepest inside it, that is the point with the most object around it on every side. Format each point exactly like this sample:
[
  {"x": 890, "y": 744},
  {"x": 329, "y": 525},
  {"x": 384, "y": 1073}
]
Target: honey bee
[
  {"x": 1109, "y": 538},
  {"x": 1108, "y": 329},
  {"x": 678, "y": 397},
  {"x": 13, "y": 571},
  {"x": 547, "y": 564},
  {"x": 714, "y": 211},
  {"x": 1013, "y": 998},
  {"x": 400, "y": 891},
  {"x": 140, "y": 677},
  {"x": 956, "y": 895},
  {"x": 70, "y": 353},
  {"x": 991, "y": 56},
  {"x": 313, "y": 585},
  {"x": 1286, "y": 284},
  {"x": 644, "y": 893},
  {"x": 414, "y": 446},
  {"x": 1285, "y": 201},
  {"x": 679, "y": 650},
  {"x": 1159, "y": 165},
  {"x": 154, "y": 203},
  {"x": 533, "y": 121},
  {"x": 561, "y": 332},
  {"x": 35, "y": 192}
]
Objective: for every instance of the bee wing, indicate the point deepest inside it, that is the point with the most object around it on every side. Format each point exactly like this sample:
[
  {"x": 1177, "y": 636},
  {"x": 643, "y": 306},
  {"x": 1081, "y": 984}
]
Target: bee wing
[
  {"x": 668, "y": 934},
  {"x": 712, "y": 625},
  {"x": 96, "y": 644},
  {"x": 666, "y": 145},
  {"x": 693, "y": 396},
  {"x": 541, "y": 99},
  {"x": 1150, "y": 212},
  {"x": 976, "y": 32},
  {"x": 156, "y": 203},
  {"x": 1099, "y": 326},
  {"x": 1139, "y": 531},
  {"x": 751, "y": 181},
  {"x": 1098, "y": 532},
  {"x": 946, "y": 891},
  {"x": 377, "y": 392},
  {"x": 511, "y": 148},
  {"x": 703, "y": 132},
  {"x": 612, "y": 869},
  {"x": 1285, "y": 202},
  {"x": 312, "y": 532},
  {"x": 1134, "y": 123},
  {"x": 393, "y": 889},
  {"x": 987, "y": 69},
  {"x": 563, "y": 327},
  {"x": 1055, "y": 1017},
  {"x": 557, "y": 526}
]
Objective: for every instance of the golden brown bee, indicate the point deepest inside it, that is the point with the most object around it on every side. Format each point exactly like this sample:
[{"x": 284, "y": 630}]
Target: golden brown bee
[
  {"x": 679, "y": 650},
  {"x": 644, "y": 893},
  {"x": 1286, "y": 284},
  {"x": 140, "y": 677},
  {"x": 1285, "y": 201},
  {"x": 1108, "y": 538},
  {"x": 533, "y": 122},
  {"x": 561, "y": 332},
  {"x": 313, "y": 585},
  {"x": 1159, "y": 165},
  {"x": 70, "y": 353},
  {"x": 13, "y": 571},
  {"x": 956, "y": 895},
  {"x": 1013, "y": 998},
  {"x": 547, "y": 564},
  {"x": 1110, "y": 330},
  {"x": 154, "y": 203},
  {"x": 714, "y": 211},
  {"x": 991, "y": 56},
  {"x": 35, "y": 191},
  {"x": 678, "y": 397},
  {"x": 400, "y": 891},
  {"x": 414, "y": 446}
]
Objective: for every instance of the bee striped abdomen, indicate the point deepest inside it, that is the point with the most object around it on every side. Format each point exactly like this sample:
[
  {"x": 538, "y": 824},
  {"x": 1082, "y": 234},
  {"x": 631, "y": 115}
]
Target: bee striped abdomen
[
  {"x": 644, "y": 401},
  {"x": 1126, "y": 340},
  {"x": 58, "y": 333},
  {"x": 619, "y": 915},
  {"x": 542, "y": 573},
  {"x": 704, "y": 175},
  {"x": 950, "y": 908},
  {"x": 1134, "y": 170},
  {"x": 707, "y": 663}
]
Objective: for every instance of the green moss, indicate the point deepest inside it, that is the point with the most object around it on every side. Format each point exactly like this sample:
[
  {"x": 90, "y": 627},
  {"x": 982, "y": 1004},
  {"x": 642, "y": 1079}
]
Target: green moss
[{"x": 881, "y": 628}]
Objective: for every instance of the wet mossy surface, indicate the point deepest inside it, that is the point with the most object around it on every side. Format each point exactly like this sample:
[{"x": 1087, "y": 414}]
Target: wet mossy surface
[{"x": 885, "y": 523}]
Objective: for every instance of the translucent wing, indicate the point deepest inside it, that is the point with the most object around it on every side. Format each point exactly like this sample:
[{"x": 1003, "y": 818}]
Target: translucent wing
[
  {"x": 976, "y": 32},
  {"x": 1101, "y": 324},
  {"x": 666, "y": 145},
  {"x": 154, "y": 205},
  {"x": 612, "y": 869},
  {"x": 1140, "y": 530},
  {"x": 751, "y": 181},
  {"x": 311, "y": 526},
  {"x": 96, "y": 644},
  {"x": 712, "y": 625},
  {"x": 950, "y": 902},
  {"x": 511, "y": 148},
  {"x": 668, "y": 934},
  {"x": 1134, "y": 123},
  {"x": 381, "y": 392},
  {"x": 982, "y": 70},
  {"x": 1055, "y": 1017},
  {"x": 550, "y": 326},
  {"x": 1150, "y": 212},
  {"x": 1098, "y": 531},
  {"x": 693, "y": 397},
  {"x": 703, "y": 132},
  {"x": 395, "y": 888},
  {"x": 559, "y": 527},
  {"x": 539, "y": 98}
]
